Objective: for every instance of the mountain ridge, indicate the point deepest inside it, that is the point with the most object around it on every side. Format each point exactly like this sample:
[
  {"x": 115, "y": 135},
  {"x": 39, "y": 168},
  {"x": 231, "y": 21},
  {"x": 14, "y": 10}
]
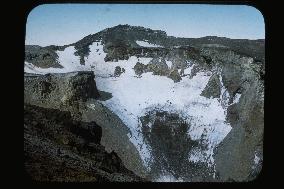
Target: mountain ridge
[{"x": 125, "y": 36}]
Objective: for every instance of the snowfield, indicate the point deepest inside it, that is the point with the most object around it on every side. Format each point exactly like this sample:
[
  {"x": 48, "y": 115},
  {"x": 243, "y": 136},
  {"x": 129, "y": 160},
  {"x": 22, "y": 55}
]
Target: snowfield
[{"x": 133, "y": 96}]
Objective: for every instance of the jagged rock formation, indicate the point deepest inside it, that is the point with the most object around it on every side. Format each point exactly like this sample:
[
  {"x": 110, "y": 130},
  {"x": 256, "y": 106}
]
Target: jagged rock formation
[
  {"x": 58, "y": 148},
  {"x": 174, "y": 75},
  {"x": 120, "y": 43},
  {"x": 62, "y": 90},
  {"x": 213, "y": 88},
  {"x": 50, "y": 87},
  {"x": 245, "y": 142},
  {"x": 242, "y": 77},
  {"x": 73, "y": 92},
  {"x": 41, "y": 57}
]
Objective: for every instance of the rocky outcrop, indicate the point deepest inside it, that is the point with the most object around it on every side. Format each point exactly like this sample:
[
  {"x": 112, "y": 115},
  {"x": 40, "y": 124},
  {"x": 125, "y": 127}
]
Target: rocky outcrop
[
  {"x": 42, "y": 57},
  {"x": 62, "y": 90},
  {"x": 118, "y": 71},
  {"x": 158, "y": 67},
  {"x": 236, "y": 154},
  {"x": 139, "y": 68},
  {"x": 58, "y": 148},
  {"x": 213, "y": 87},
  {"x": 244, "y": 143},
  {"x": 115, "y": 136},
  {"x": 174, "y": 75},
  {"x": 77, "y": 93}
]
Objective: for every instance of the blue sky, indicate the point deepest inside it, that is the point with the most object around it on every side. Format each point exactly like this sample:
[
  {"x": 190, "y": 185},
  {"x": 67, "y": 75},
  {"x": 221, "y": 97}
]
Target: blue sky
[{"x": 61, "y": 24}]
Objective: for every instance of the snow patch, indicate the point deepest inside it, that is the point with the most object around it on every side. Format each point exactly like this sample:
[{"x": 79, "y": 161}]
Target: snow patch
[
  {"x": 168, "y": 178},
  {"x": 146, "y": 44},
  {"x": 144, "y": 61},
  {"x": 169, "y": 63},
  {"x": 68, "y": 60},
  {"x": 237, "y": 98},
  {"x": 30, "y": 68},
  {"x": 256, "y": 159}
]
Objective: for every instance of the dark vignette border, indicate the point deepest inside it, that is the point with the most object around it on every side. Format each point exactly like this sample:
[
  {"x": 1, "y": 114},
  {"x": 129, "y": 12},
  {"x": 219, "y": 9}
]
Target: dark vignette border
[{"x": 24, "y": 8}]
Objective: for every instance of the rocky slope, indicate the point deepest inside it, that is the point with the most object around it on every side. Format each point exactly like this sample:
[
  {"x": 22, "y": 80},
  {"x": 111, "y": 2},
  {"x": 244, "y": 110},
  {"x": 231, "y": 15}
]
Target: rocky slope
[
  {"x": 57, "y": 148},
  {"x": 159, "y": 93},
  {"x": 73, "y": 92}
]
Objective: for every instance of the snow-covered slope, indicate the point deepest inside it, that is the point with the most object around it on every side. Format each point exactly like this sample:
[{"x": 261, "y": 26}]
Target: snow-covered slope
[{"x": 133, "y": 96}]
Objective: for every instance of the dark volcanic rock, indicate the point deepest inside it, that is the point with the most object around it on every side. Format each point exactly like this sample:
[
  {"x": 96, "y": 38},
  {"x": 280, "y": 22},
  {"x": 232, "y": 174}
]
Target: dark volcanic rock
[
  {"x": 158, "y": 67},
  {"x": 139, "y": 68},
  {"x": 57, "y": 90},
  {"x": 57, "y": 148},
  {"x": 118, "y": 71},
  {"x": 77, "y": 93},
  {"x": 42, "y": 57},
  {"x": 116, "y": 50}
]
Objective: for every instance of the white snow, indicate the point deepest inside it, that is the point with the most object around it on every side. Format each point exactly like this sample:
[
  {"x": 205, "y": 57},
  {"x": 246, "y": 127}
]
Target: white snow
[
  {"x": 96, "y": 55},
  {"x": 168, "y": 178},
  {"x": 225, "y": 97},
  {"x": 169, "y": 63},
  {"x": 68, "y": 60},
  {"x": 30, "y": 68},
  {"x": 187, "y": 71},
  {"x": 144, "y": 61},
  {"x": 256, "y": 159},
  {"x": 146, "y": 44},
  {"x": 237, "y": 98}
]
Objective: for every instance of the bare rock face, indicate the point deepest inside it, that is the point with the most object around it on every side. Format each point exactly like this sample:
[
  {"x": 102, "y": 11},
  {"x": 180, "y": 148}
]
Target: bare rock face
[
  {"x": 43, "y": 57},
  {"x": 175, "y": 76},
  {"x": 140, "y": 68},
  {"x": 213, "y": 87},
  {"x": 60, "y": 90},
  {"x": 158, "y": 67},
  {"x": 77, "y": 93},
  {"x": 58, "y": 148},
  {"x": 236, "y": 156},
  {"x": 115, "y": 136}
]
